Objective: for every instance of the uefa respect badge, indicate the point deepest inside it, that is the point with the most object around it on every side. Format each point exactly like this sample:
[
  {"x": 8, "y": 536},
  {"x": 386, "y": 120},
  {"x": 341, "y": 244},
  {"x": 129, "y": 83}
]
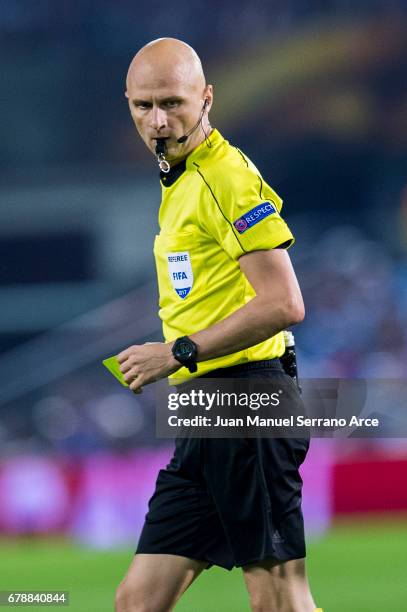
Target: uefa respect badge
[
  {"x": 253, "y": 216},
  {"x": 180, "y": 271}
]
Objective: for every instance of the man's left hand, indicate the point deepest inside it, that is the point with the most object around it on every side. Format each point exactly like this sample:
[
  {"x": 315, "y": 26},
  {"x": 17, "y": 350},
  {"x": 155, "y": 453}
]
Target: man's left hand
[{"x": 142, "y": 364}]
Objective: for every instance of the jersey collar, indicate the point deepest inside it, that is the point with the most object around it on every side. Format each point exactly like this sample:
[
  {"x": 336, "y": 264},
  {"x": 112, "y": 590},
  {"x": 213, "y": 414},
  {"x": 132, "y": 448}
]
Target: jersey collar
[
  {"x": 169, "y": 178},
  {"x": 194, "y": 159},
  {"x": 203, "y": 150}
]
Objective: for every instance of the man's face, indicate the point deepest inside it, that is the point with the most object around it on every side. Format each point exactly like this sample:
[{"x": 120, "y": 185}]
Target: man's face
[{"x": 166, "y": 107}]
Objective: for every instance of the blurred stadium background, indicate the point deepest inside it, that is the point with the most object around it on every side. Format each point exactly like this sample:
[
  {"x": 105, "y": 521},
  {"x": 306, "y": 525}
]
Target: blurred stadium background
[{"x": 314, "y": 93}]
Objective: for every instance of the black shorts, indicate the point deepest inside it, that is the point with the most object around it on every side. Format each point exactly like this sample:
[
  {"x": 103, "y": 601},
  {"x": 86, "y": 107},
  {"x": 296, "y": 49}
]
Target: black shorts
[{"x": 230, "y": 502}]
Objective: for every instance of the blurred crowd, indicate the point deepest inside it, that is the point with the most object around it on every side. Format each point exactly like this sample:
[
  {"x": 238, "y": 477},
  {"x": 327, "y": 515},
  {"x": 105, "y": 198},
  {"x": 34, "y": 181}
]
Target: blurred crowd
[{"x": 355, "y": 296}]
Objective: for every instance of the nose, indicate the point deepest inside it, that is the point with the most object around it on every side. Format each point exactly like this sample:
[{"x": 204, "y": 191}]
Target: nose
[{"x": 158, "y": 118}]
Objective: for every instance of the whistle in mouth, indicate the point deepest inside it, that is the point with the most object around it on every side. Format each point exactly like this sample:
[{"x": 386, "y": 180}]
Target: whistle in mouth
[{"x": 160, "y": 151}]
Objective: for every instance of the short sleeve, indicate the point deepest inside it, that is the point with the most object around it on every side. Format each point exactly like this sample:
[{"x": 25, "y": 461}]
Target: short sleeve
[{"x": 243, "y": 212}]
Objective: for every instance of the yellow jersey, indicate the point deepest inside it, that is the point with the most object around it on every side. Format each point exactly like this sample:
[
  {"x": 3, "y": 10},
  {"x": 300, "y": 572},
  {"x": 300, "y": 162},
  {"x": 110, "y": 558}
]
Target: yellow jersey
[{"x": 215, "y": 208}]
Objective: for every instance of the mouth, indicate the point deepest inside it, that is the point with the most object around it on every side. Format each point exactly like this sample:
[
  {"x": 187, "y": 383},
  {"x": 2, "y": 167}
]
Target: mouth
[{"x": 161, "y": 145}]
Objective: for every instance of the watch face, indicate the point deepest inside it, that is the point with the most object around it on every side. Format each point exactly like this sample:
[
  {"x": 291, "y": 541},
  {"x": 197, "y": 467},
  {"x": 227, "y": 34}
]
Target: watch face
[{"x": 184, "y": 349}]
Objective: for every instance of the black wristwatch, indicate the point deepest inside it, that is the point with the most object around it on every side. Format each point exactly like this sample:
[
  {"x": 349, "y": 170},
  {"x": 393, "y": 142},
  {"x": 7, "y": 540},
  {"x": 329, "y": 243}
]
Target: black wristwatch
[{"x": 185, "y": 351}]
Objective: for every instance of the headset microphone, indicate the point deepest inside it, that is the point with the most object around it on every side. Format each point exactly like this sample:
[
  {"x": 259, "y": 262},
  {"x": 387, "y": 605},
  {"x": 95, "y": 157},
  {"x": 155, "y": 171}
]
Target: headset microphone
[{"x": 185, "y": 137}]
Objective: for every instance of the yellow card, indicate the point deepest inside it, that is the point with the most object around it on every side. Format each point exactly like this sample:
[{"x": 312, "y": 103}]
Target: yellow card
[{"x": 113, "y": 366}]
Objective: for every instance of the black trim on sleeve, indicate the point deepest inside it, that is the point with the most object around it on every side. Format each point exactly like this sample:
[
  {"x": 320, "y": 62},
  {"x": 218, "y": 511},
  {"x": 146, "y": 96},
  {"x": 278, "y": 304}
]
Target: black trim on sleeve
[
  {"x": 261, "y": 186},
  {"x": 218, "y": 205},
  {"x": 284, "y": 245},
  {"x": 247, "y": 164},
  {"x": 243, "y": 157}
]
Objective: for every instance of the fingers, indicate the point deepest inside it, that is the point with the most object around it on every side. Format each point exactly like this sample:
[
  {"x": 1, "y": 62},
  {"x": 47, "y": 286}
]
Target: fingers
[
  {"x": 136, "y": 385},
  {"x": 129, "y": 373},
  {"x": 134, "y": 381},
  {"x": 126, "y": 367},
  {"x": 121, "y": 357},
  {"x": 131, "y": 376},
  {"x": 127, "y": 360},
  {"x": 124, "y": 355},
  {"x": 142, "y": 364},
  {"x": 129, "y": 370}
]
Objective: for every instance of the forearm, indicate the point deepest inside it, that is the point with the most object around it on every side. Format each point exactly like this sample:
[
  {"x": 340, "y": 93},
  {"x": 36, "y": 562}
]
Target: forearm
[
  {"x": 249, "y": 325},
  {"x": 278, "y": 303}
]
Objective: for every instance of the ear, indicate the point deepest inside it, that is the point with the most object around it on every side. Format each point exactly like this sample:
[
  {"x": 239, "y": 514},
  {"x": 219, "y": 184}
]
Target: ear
[
  {"x": 126, "y": 94},
  {"x": 208, "y": 98}
]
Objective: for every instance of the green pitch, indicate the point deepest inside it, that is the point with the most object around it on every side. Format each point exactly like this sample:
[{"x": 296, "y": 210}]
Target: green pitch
[{"x": 357, "y": 566}]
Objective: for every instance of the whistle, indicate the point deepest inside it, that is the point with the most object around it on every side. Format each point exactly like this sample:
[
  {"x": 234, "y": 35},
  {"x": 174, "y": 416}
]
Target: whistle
[{"x": 160, "y": 151}]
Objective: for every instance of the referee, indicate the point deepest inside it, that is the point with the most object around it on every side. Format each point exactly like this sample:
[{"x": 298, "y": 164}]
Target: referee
[{"x": 227, "y": 290}]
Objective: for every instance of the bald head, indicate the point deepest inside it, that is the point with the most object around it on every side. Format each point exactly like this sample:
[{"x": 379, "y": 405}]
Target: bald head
[
  {"x": 164, "y": 62},
  {"x": 168, "y": 96}
]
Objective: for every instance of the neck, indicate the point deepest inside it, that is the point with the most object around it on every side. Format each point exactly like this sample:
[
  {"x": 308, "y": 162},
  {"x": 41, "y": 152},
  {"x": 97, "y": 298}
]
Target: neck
[{"x": 204, "y": 134}]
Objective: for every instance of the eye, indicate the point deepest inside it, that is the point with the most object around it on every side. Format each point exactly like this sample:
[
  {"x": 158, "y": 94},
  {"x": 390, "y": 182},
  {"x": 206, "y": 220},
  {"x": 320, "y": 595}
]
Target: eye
[
  {"x": 171, "y": 103},
  {"x": 142, "y": 105}
]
